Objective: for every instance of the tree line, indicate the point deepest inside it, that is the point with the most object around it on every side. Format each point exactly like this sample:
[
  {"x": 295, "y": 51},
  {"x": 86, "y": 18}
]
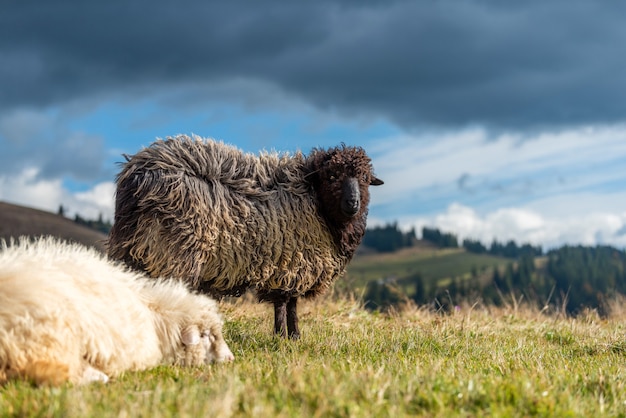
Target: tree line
[
  {"x": 98, "y": 224},
  {"x": 390, "y": 238}
]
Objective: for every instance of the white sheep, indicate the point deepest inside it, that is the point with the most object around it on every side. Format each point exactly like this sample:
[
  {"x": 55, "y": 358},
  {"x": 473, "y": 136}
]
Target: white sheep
[{"x": 69, "y": 314}]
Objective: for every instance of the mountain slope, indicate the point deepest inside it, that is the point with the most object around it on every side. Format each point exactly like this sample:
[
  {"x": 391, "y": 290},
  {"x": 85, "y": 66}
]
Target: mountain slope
[{"x": 18, "y": 220}]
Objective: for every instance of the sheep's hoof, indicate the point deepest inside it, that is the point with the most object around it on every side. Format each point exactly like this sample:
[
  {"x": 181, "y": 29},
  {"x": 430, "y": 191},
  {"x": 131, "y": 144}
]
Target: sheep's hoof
[
  {"x": 91, "y": 375},
  {"x": 294, "y": 336}
]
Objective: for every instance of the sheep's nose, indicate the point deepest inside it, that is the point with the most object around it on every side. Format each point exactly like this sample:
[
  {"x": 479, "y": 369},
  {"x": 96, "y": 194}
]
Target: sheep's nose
[
  {"x": 351, "y": 202},
  {"x": 350, "y": 206},
  {"x": 223, "y": 354}
]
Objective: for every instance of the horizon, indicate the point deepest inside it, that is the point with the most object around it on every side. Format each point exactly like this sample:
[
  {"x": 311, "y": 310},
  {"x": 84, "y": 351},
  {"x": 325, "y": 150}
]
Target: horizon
[{"x": 418, "y": 233}]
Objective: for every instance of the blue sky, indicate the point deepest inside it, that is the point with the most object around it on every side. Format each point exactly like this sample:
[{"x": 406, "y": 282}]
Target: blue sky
[{"x": 486, "y": 119}]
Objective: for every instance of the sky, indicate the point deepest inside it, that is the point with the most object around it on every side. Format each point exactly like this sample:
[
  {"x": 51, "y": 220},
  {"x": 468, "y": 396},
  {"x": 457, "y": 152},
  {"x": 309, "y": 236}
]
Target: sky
[{"x": 487, "y": 119}]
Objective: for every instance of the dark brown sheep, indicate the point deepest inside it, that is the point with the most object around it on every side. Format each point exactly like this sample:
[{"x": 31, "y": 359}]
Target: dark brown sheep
[{"x": 225, "y": 221}]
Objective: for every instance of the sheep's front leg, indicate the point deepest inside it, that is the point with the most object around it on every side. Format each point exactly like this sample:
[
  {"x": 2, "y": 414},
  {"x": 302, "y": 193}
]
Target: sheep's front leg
[
  {"x": 93, "y": 375},
  {"x": 292, "y": 318},
  {"x": 280, "y": 318}
]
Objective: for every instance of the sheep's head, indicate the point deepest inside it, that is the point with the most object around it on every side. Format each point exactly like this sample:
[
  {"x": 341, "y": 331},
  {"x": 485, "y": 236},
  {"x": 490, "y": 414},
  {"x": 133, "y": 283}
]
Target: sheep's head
[
  {"x": 341, "y": 177},
  {"x": 204, "y": 344}
]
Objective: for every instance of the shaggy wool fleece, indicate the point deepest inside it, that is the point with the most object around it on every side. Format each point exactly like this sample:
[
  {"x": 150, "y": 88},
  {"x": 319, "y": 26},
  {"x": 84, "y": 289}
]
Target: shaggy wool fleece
[
  {"x": 69, "y": 314},
  {"x": 225, "y": 220}
]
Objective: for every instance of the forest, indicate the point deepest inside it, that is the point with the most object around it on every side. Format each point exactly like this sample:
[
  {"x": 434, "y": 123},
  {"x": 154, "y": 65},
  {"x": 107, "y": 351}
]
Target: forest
[{"x": 570, "y": 278}]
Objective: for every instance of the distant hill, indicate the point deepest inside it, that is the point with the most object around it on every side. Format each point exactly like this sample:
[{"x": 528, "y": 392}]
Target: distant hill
[
  {"x": 17, "y": 220},
  {"x": 436, "y": 265}
]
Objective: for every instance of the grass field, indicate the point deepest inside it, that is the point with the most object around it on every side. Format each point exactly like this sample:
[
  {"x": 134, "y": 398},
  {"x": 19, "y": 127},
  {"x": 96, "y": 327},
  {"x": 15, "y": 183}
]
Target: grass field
[{"x": 511, "y": 361}]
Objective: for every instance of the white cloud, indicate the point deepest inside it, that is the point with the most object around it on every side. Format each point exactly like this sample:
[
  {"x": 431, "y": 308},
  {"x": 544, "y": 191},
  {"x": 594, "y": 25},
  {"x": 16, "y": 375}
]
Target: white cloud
[
  {"x": 29, "y": 189},
  {"x": 97, "y": 200},
  {"x": 26, "y": 189},
  {"x": 524, "y": 225}
]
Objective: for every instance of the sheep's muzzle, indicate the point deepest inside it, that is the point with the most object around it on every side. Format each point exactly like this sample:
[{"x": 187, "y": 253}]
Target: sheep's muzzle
[{"x": 350, "y": 197}]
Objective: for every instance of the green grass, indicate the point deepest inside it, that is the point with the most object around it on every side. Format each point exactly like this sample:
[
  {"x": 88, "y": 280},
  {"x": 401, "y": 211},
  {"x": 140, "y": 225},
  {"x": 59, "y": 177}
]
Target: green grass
[
  {"x": 476, "y": 362},
  {"x": 433, "y": 264}
]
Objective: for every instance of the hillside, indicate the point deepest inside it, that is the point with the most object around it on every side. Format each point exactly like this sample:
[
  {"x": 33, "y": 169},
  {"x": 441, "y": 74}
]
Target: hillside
[
  {"x": 17, "y": 220},
  {"x": 432, "y": 263}
]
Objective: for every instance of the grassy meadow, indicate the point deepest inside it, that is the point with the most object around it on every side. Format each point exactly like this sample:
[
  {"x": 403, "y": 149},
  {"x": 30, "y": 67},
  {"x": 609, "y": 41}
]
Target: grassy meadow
[
  {"x": 434, "y": 264},
  {"x": 476, "y": 361}
]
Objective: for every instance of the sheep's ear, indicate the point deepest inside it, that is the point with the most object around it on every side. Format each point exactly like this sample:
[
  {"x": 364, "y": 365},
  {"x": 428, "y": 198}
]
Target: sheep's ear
[
  {"x": 191, "y": 336},
  {"x": 376, "y": 181}
]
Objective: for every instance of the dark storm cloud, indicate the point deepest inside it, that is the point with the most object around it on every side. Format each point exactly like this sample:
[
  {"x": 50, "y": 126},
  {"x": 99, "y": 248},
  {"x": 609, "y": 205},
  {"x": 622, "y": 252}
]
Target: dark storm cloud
[{"x": 503, "y": 64}]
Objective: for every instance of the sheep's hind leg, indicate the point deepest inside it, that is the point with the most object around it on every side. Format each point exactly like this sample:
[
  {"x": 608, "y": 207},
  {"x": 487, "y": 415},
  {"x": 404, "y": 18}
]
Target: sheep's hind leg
[
  {"x": 292, "y": 318},
  {"x": 280, "y": 318}
]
